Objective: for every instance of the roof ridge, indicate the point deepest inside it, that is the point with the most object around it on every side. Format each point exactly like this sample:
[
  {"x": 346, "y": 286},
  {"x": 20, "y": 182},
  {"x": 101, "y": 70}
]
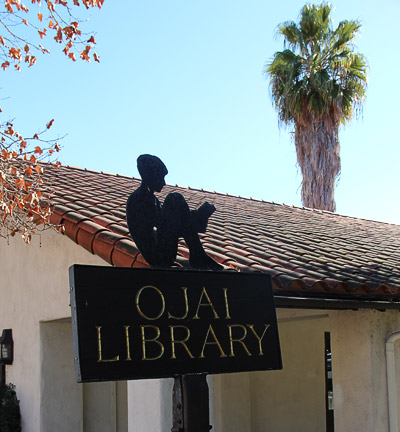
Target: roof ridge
[
  {"x": 303, "y": 208},
  {"x": 305, "y": 251}
]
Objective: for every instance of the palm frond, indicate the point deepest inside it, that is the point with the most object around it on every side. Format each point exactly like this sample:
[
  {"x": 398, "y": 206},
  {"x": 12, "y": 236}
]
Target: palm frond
[
  {"x": 316, "y": 85},
  {"x": 321, "y": 62}
]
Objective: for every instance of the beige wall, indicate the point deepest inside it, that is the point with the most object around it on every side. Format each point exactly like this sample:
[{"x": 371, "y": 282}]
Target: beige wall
[
  {"x": 293, "y": 399},
  {"x": 150, "y": 405},
  {"x": 34, "y": 288},
  {"x": 232, "y": 411},
  {"x": 281, "y": 401},
  {"x": 359, "y": 371},
  {"x": 61, "y": 405}
]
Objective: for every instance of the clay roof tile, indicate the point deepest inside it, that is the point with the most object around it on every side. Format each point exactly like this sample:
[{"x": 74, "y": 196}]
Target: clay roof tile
[{"x": 304, "y": 250}]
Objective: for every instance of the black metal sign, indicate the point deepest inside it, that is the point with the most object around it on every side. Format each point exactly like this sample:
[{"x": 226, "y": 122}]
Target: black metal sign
[{"x": 146, "y": 323}]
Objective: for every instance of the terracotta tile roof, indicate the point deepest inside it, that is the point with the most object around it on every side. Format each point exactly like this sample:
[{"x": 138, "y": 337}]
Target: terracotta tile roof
[{"x": 307, "y": 252}]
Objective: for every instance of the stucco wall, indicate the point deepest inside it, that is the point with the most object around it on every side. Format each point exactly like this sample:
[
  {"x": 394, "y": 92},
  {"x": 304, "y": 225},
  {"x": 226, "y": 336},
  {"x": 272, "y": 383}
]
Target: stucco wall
[
  {"x": 61, "y": 406},
  {"x": 150, "y": 403},
  {"x": 34, "y": 287},
  {"x": 359, "y": 368},
  {"x": 293, "y": 399},
  {"x": 232, "y": 412},
  {"x": 289, "y": 400}
]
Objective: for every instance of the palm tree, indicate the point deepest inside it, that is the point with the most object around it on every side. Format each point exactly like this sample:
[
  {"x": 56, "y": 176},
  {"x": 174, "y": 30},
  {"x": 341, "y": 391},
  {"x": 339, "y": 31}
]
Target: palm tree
[{"x": 317, "y": 83}]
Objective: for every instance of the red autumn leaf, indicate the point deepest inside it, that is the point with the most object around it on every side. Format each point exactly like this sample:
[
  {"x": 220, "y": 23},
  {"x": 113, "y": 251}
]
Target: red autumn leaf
[
  {"x": 85, "y": 54},
  {"x": 32, "y": 60},
  {"x": 19, "y": 183},
  {"x": 44, "y": 50},
  {"x": 23, "y": 194},
  {"x": 58, "y": 37},
  {"x": 39, "y": 220},
  {"x": 10, "y": 131}
]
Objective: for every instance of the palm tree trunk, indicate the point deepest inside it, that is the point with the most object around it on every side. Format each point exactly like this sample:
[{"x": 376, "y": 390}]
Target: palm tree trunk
[{"x": 317, "y": 147}]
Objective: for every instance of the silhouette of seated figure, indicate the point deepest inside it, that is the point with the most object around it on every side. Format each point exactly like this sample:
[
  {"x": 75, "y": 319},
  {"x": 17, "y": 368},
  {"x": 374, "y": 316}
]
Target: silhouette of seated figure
[{"x": 156, "y": 227}]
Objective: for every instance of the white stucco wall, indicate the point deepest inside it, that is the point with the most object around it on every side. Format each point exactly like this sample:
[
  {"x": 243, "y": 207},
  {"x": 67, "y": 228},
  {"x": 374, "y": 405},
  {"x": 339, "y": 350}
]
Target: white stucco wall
[
  {"x": 34, "y": 287},
  {"x": 61, "y": 404},
  {"x": 359, "y": 371},
  {"x": 232, "y": 411},
  {"x": 34, "y": 290},
  {"x": 282, "y": 401},
  {"x": 293, "y": 399},
  {"x": 150, "y": 403}
]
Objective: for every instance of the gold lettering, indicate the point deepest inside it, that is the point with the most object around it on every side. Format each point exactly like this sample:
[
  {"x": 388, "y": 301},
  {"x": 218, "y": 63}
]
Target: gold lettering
[
  {"x": 226, "y": 303},
  {"x": 186, "y": 306},
  {"x": 240, "y": 340},
  {"x": 99, "y": 348},
  {"x": 182, "y": 342},
  {"x": 209, "y": 303},
  {"x": 128, "y": 349},
  {"x": 251, "y": 327},
  {"x": 138, "y": 299},
  {"x": 154, "y": 339},
  {"x": 211, "y": 330}
]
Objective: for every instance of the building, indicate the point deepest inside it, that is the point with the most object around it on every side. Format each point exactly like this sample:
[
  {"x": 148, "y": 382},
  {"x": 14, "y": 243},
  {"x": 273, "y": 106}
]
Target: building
[{"x": 336, "y": 282}]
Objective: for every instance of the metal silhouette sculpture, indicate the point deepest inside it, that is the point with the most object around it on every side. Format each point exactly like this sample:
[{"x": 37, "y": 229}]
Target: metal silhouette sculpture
[{"x": 156, "y": 228}]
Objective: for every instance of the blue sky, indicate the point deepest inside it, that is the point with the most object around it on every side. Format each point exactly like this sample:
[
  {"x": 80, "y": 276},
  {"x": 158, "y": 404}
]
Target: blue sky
[{"x": 184, "y": 80}]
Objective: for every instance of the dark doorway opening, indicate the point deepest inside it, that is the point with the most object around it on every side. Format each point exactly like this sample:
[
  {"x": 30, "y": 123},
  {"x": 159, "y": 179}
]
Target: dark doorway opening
[
  {"x": 330, "y": 426},
  {"x": 2, "y": 374}
]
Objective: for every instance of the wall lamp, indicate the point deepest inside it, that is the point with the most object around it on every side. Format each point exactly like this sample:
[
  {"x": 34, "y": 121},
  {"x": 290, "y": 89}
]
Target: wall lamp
[{"x": 6, "y": 347}]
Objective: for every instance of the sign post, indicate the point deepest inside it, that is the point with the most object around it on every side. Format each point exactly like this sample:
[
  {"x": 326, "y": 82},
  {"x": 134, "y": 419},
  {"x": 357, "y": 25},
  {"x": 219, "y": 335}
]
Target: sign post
[
  {"x": 147, "y": 323},
  {"x": 190, "y": 404}
]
